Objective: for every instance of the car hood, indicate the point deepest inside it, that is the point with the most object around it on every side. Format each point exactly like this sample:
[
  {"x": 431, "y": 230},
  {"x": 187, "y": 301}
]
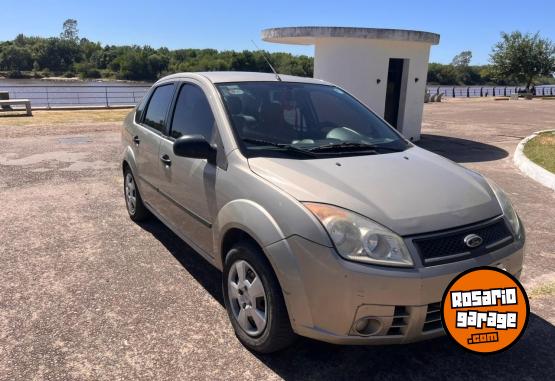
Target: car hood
[{"x": 410, "y": 192}]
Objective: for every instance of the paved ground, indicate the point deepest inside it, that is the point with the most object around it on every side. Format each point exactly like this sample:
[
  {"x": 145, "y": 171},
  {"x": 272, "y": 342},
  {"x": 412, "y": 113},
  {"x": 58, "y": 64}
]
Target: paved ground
[{"x": 87, "y": 294}]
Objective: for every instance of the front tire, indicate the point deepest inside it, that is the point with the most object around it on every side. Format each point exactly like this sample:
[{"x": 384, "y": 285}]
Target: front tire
[
  {"x": 135, "y": 207},
  {"x": 254, "y": 300}
]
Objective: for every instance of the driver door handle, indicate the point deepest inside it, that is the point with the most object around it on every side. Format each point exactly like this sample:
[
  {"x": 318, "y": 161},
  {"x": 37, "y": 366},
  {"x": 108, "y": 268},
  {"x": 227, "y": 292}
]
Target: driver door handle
[
  {"x": 136, "y": 140},
  {"x": 166, "y": 160}
]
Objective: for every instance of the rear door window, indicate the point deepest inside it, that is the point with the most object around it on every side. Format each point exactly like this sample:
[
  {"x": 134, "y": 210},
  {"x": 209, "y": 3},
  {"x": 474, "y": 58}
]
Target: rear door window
[
  {"x": 139, "y": 110},
  {"x": 158, "y": 106}
]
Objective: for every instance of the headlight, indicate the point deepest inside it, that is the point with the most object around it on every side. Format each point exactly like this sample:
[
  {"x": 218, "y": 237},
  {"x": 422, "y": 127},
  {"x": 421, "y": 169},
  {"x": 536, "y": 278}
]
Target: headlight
[
  {"x": 360, "y": 239},
  {"x": 506, "y": 206}
]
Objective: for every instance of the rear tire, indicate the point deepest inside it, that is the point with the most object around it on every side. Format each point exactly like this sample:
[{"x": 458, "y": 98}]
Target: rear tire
[
  {"x": 135, "y": 207},
  {"x": 254, "y": 300}
]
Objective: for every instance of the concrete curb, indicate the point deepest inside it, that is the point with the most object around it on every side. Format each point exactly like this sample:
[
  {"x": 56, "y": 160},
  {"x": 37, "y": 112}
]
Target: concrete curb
[{"x": 531, "y": 169}]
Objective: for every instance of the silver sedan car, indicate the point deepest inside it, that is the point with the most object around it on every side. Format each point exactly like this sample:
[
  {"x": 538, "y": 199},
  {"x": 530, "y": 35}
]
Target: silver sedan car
[{"x": 325, "y": 221}]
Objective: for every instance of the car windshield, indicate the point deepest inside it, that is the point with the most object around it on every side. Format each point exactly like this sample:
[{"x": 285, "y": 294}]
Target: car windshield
[{"x": 304, "y": 120}]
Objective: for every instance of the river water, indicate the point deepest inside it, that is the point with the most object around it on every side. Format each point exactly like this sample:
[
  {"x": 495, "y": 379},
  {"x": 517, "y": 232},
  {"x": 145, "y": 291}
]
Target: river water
[{"x": 52, "y": 93}]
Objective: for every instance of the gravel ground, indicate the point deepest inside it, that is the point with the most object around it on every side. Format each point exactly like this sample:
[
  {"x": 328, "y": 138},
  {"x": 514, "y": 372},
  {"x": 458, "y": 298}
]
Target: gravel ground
[{"x": 86, "y": 294}]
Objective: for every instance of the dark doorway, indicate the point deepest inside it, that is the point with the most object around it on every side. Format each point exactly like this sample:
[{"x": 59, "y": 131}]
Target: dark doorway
[{"x": 393, "y": 93}]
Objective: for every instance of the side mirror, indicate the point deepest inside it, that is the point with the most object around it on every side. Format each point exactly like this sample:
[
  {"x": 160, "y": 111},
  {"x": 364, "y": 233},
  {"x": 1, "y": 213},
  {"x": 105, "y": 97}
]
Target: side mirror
[{"x": 194, "y": 146}]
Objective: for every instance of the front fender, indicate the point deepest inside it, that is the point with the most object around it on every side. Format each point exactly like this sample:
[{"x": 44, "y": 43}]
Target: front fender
[
  {"x": 248, "y": 216},
  {"x": 253, "y": 219}
]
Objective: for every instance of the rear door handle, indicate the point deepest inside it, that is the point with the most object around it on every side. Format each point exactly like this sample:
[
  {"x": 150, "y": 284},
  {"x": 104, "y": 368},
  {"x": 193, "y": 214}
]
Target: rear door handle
[
  {"x": 136, "y": 140},
  {"x": 166, "y": 160}
]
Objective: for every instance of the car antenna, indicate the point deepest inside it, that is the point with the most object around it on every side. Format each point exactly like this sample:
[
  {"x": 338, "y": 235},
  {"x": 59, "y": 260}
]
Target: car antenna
[{"x": 267, "y": 60}]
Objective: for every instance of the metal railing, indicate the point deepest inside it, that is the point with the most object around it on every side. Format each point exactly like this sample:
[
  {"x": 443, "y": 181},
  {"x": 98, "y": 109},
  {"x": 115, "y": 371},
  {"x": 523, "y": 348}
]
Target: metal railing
[
  {"x": 485, "y": 91},
  {"x": 60, "y": 95},
  {"x": 111, "y": 95}
]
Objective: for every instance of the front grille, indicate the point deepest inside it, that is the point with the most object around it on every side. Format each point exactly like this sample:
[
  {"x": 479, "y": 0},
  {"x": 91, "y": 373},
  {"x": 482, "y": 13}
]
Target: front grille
[
  {"x": 449, "y": 246},
  {"x": 433, "y": 318},
  {"x": 400, "y": 321}
]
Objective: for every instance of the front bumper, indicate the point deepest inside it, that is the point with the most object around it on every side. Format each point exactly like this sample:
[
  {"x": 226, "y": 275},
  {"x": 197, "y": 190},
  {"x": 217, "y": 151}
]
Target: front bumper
[{"x": 326, "y": 295}]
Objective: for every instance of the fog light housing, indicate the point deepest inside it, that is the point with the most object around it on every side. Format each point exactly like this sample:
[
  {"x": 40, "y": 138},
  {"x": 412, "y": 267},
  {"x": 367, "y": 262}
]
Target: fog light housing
[{"x": 367, "y": 326}]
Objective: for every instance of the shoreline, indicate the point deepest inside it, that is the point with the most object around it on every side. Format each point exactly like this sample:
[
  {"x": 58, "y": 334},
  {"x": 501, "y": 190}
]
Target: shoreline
[{"x": 70, "y": 81}]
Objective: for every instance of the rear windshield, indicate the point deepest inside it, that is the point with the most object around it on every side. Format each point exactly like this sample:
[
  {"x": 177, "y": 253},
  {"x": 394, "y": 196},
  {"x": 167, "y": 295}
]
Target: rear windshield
[{"x": 290, "y": 117}]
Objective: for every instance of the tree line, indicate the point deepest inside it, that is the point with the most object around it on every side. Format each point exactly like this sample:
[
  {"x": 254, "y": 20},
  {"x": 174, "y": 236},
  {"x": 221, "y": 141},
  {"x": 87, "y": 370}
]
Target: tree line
[
  {"x": 36, "y": 57},
  {"x": 517, "y": 59},
  {"x": 70, "y": 56}
]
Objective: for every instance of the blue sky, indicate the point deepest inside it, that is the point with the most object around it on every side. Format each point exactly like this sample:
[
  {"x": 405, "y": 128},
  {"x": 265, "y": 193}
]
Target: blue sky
[{"x": 463, "y": 25}]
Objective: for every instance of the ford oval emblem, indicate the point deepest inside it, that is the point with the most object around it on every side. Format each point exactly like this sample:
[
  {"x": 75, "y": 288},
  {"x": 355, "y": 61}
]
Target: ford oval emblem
[{"x": 473, "y": 240}]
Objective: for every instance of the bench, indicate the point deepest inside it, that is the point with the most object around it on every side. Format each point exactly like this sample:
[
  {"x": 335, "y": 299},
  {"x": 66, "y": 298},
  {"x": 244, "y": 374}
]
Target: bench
[
  {"x": 4, "y": 95},
  {"x": 25, "y": 102}
]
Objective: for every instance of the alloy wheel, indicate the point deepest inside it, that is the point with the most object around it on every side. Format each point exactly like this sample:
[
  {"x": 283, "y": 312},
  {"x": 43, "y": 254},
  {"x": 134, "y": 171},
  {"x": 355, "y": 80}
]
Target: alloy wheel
[
  {"x": 130, "y": 193},
  {"x": 247, "y": 298}
]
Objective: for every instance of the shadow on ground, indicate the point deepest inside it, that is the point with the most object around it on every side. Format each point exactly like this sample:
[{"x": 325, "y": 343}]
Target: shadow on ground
[
  {"x": 207, "y": 275},
  {"x": 461, "y": 150},
  {"x": 531, "y": 358},
  {"x": 11, "y": 115}
]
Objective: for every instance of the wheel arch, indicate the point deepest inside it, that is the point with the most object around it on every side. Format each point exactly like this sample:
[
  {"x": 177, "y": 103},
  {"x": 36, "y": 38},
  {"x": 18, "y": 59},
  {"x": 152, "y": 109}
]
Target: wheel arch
[
  {"x": 277, "y": 254},
  {"x": 243, "y": 219},
  {"x": 128, "y": 160},
  {"x": 125, "y": 165}
]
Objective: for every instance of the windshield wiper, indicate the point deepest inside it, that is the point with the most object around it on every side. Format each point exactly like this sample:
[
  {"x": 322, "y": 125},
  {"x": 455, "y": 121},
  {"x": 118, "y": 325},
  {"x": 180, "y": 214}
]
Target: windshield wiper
[
  {"x": 353, "y": 146},
  {"x": 287, "y": 147}
]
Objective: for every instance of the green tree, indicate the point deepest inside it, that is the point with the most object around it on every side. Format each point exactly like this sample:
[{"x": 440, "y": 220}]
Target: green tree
[
  {"x": 465, "y": 74},
  {"x": 522, "y": 58},
  {"x": 20, "y": 40},
  {"x": 157, "y": 64},
  {"x": 440, "y": 74},
  {"x": 88, "y": 48},
  {"x": 462, "y": 60},
  {"x": 56, "y": 54},
  {"x": 15, "y": 58},
  {"x": 70, "y": 31},
  {"x": 133, "y": 65}
]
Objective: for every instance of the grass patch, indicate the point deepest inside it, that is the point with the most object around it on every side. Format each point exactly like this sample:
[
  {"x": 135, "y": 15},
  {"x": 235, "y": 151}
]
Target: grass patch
[
  {"x": 541, "y": 150},
  {"x": 546, "y": 289},
  {"x": 41, "y": 117}
]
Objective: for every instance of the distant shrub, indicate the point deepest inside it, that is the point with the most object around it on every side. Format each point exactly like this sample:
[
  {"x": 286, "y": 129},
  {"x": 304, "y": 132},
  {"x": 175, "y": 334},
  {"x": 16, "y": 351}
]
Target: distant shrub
[
  {"x": 107, "y": 73},
  {"x": 69, "y": 74},
  {"x": 94, "y": 73},
  {"x": 45, "y": 73},
  {"x": 14, "y": 74},
  {"x": 87, "y": 70}
]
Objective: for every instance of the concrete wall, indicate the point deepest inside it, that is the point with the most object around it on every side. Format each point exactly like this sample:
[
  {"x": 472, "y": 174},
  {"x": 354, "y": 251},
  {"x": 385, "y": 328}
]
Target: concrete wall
[{"x": 356, "y": 64}]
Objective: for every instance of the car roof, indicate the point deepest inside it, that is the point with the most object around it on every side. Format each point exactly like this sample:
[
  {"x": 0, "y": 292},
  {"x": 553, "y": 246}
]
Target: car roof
[{"x": 242, "y": 76}]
